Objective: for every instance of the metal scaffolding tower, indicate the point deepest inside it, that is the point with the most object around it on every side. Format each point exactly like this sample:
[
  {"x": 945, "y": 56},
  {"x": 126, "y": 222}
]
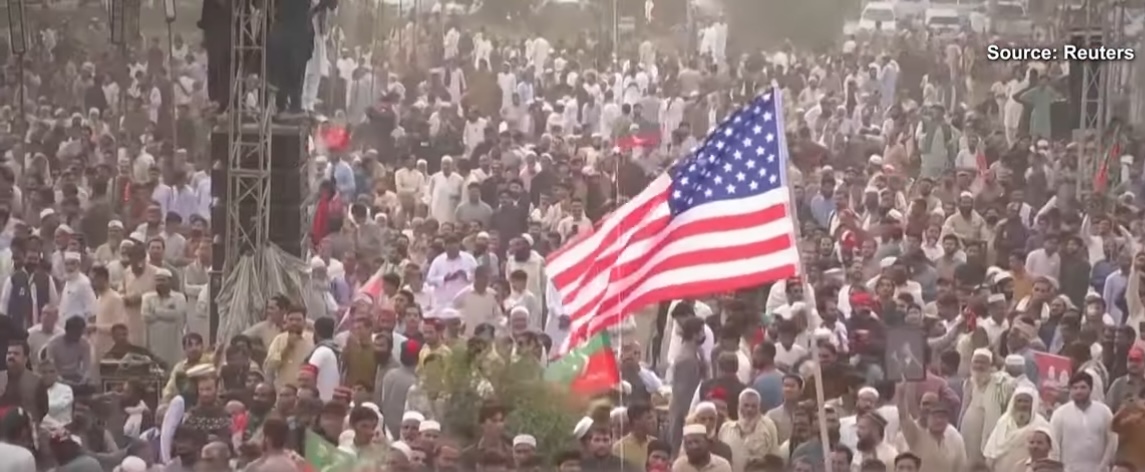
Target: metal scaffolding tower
[
  {"x": 1097, "y": 23},
  {"x": 246, "y": 228}
]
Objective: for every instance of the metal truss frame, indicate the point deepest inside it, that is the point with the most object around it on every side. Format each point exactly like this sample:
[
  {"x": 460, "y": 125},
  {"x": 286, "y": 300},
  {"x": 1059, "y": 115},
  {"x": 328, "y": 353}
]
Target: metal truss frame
[
  {"x": 1094, "y": 22},
  {"x": 248, "y": 133}
]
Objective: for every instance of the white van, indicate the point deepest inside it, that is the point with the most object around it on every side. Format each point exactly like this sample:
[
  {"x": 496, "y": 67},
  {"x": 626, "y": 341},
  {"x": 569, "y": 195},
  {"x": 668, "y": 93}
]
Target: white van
[{"x": 878, "y": 16}]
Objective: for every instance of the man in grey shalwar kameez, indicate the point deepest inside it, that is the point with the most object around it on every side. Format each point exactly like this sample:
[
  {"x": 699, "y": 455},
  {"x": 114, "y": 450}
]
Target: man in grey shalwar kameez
[
  {"x": 688, "y": 370},
  {"x": 396, "y": 385}
]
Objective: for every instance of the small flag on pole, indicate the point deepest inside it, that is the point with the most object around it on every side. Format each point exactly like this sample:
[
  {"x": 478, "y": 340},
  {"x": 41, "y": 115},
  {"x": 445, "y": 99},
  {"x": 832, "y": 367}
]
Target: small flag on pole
[{"x": 588, "y": 369}]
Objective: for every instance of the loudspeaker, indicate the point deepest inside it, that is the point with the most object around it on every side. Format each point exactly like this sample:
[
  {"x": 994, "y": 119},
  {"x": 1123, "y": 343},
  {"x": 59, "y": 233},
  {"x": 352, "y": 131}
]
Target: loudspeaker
[
  {"x": 288, "y": 148},
  {"x": 287, "y": 190},
  {"x": 1083, "y": 101}
]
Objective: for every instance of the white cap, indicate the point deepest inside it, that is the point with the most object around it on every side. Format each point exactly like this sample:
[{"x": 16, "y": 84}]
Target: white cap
[
  {"x": 1004, "y": 275},
  {"x": 403, "y": 448},
  {"x": 524, "y": 439},
  {"x": 317, "y": 263},
  {"x": 1014, "y": 360},
  {"x": 448, "y": 314},
  {"x": 518, "y": 311},
  {"x": 46, "y": 213},
  {"x": 429, "y": 425},
  {"x": 983, "y": 352},
  {"x": 132, "y": 464},
  {"x": 869, "y": 391},
  {"x": 618, "y": 413},
  {"x": 413, "y": 416},
  {"x": 528, "y": 238},
  {"x": 582, "y": 427},
  {"x": 996, "y": 298},
  {"x": 695, "y": 429},
  {"x": 119, "y": 225},
  {"x": 875, "y": 160},
  {"x": 162, "y": 273},
  {"x": 894, "y": 215},
  {"x": 887, "y": 262},
  {"x": 966, "y": 195},
  {"x": 72, "y": 256},
  {"x": 705, "y": 406},
  {"x": 482, "y": 235}
]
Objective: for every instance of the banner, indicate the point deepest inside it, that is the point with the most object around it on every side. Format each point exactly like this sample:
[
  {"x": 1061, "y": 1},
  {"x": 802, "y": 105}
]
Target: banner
[{"x": 1053, "y": 377}]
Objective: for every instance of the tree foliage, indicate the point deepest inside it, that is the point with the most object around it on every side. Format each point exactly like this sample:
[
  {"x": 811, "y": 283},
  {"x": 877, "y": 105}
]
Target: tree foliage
[{"x": 544, "y": 410}]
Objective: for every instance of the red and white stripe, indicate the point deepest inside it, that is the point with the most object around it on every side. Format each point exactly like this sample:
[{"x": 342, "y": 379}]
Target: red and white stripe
[{"x": 641, "y": 255}]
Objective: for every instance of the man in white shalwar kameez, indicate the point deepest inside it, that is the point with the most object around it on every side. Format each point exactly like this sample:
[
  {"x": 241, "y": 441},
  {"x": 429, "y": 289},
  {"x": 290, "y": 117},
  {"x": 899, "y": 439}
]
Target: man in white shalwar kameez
[
  {"x": 985, "y": 395},
  {"x": 77, "y": 297},
  {"x": 445, "y": 192},
  {"x": 451, "y": 43},
  {"x": 539, "y": 55},
  {"x": 450, "y": 272},
  {"x": 1081, "y": 431},
  {"x": 1005, "y": 448},
  {"x": 319, "y": 64},
  {"x": 482, "y": 49}
]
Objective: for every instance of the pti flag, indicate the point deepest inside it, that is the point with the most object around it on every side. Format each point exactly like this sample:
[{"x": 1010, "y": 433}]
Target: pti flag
[
  {"x": 588, "y": 369},
  {"x": 321, "y": 456}
]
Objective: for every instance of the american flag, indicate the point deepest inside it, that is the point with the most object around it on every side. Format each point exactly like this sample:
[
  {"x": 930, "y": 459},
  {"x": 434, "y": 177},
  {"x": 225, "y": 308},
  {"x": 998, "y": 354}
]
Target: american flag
[{"x": 719, "y": 221}]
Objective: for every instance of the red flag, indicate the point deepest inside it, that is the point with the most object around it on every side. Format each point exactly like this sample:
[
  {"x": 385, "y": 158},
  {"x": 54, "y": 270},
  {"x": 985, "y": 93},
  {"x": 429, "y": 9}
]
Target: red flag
[
  {"x": 336, "y": 137},
  {"x": 980, "y": 162},
  {"x": 644, "y": 139},
  {"x": 1101, "y": 178}
]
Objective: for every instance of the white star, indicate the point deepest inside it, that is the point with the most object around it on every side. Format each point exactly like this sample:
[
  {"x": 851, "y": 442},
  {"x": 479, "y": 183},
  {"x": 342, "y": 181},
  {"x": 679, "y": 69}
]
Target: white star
[
  {"x": 708, "y": 193},
  {"x": 773, "y": 179},
  {"x": 758, "y": 129},
  {"x": 731, "y": 188},
  {"x": 767, "y": 97},
  {"x": 740, "y": 177},
  {"x": 753, "y": 185},
  {"x": 746, "y": 142},
  {"x": 718, "y": 180},
  {"x": 767, "y": 116},
  {"x": 738, "y": 155},
  {"x": 759, "y": 151},
  {"x": 689, "y": 200},
  {"x": 737, "y": 119},
  {"x": 771, "y": 158},
  {"x": 677, "y": 194},
  {"x": 720, "y": 145},
  {"x": 684, "y": 181},
  {"x": 692, "y": 167},
  {"x": 770, "y": 137},
  {"x": 750, "y": 164},
  {"x": 728, "y": 132},
  {"x": 756, "y": 110},
  {"x": 762, "y": 171},
  {"x": 727, "y": 167}
]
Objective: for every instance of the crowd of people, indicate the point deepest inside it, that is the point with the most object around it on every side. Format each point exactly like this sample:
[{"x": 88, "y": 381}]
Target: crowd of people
[{"x": 938, "y": 210}]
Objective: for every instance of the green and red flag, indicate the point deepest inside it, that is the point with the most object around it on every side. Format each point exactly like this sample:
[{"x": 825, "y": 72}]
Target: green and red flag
[
  {"x": 321, "y": 456},
  {"x": 588, "y": 369},
  {"x": 1101, "y": 177}
]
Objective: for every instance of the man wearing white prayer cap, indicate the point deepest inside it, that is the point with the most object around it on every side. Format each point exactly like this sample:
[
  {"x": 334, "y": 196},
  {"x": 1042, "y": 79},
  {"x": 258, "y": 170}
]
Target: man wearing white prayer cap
[
  {"x": 524, "y": 449},
  {"x": 401, "y": 456},
  {"x": 446, "y": 188},
  {"x": 865, "y": 402},
  {"x": 165, "y": 315},
  {"x": 986, "y": 394},
  {"x": 1015, "y": 366},
  {"x": 697, "y": 452},
  {"x": 77, "y": 298},
  {"x": 429, "y": 432},
  {"x": 411, "y": 426}
]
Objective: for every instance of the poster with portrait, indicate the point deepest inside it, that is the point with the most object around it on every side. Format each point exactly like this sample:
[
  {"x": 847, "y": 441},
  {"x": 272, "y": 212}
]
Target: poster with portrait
[
  {"x": 904, "y": 354},
  {"x": 1053, "y": 378}
]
